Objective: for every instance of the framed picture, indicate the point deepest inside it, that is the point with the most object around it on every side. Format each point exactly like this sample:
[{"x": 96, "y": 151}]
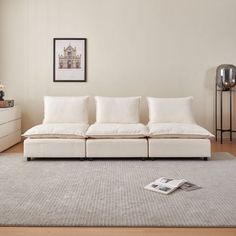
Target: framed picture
[{"x": 69, "y": 59}]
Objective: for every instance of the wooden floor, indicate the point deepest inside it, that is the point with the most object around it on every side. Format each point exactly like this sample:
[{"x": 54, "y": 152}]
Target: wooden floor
[{"x": 70, "y": 231}]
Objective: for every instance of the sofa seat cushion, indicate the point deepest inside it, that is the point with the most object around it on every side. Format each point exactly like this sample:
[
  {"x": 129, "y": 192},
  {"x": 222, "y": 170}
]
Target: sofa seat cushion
[
  {"x": 115, "y": 130},
  {"x": 57, "y": 131},
  {"x": 178, "y": 130}
]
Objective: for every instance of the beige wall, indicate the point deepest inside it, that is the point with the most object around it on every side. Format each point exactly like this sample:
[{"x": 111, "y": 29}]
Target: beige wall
[{"x": 162, "y": 48}]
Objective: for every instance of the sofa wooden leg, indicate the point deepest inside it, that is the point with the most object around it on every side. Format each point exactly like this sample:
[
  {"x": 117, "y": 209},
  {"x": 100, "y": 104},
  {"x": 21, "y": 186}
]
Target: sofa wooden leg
[{"x": 205, "y": 158}]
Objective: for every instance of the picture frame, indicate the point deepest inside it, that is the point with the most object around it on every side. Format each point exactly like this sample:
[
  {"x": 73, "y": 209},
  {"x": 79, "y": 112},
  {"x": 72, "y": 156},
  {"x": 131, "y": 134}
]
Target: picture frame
[{"x": 69, "y": 59}]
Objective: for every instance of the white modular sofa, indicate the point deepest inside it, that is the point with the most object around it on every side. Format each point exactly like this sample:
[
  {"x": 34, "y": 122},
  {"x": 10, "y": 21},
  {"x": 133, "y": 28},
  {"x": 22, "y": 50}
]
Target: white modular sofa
[{"x": 117, "y": 132}]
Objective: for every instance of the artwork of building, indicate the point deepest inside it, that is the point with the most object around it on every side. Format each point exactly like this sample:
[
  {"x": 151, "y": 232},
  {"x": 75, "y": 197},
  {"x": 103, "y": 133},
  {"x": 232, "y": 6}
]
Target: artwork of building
[{"x": 69, "y": 60}]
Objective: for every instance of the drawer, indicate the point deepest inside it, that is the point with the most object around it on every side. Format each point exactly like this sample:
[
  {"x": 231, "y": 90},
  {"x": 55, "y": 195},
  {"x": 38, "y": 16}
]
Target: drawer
[
  {"x": 10, "y": 127},
  {"x": 9, "y": 114},
  {"x": 10, "y": 140}
]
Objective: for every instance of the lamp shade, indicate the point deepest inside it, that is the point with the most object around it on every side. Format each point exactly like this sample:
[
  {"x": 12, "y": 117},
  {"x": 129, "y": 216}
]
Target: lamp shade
[{"x": 226, "y": 76}]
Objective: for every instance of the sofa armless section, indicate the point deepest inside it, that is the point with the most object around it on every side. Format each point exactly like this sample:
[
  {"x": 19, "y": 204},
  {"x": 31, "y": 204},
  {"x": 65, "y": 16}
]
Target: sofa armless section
[{"x": 62, "y": 134}]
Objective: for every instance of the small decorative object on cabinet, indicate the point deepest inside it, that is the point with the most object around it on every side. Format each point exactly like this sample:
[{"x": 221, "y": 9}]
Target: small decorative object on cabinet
[
  {"x": 1, "y": 92},
  {"x": 10, "y": 127},
  {"x": 6, "y": 103},
  {"x": 225, "y": 81}
]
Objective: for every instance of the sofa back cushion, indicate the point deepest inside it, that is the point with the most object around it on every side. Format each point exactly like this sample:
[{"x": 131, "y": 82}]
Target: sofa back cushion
[
  {"x": 65, "y": 110},
  {"x": 166, "y": 110},
  {"x": 117, "y": 109}
]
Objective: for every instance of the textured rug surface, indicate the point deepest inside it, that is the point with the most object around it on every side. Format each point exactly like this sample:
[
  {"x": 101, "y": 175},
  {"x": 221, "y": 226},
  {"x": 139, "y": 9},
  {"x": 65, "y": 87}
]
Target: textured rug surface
[{"x": 111, "y": 193}]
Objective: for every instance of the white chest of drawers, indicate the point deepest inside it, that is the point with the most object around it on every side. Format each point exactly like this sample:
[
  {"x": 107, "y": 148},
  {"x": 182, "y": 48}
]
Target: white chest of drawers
[{"x": 10, "y": 127}]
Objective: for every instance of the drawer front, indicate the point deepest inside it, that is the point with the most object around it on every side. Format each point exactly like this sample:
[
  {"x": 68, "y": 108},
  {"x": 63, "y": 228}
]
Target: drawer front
[
  {"x": 10, "y": 127},
  {"x": 9, "y": 114},
  {"x": 10, "y": 140}
]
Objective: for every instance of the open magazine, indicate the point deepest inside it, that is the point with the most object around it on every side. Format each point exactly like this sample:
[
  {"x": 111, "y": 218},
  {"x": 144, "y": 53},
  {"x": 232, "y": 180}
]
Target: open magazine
[{"x": 167, "y": 185}]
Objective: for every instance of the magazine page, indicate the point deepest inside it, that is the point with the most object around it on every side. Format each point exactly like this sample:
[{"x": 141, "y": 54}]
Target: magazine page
[
  {"x": 187, "y": 186},
  {"x": 159, "y": 188},
  {"x": 165, "y": 185},
  {"x": 169, "y": 182}
]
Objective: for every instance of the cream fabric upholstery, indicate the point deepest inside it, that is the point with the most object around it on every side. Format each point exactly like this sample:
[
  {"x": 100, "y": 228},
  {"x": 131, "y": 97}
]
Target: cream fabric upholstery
[
  {"x": 63, "y": 130},
  {"x": 179, "y": 147},
  {"x": 117, "y": 131},
  {"x": 117, "y": 109},
  {"x": 167, "y": 110},
  {"x": 65, "y": 110},
  {"x": 96, "y": 148},
  {"x": 54, "y": 148},
  {"x": 178, "y": 130}
]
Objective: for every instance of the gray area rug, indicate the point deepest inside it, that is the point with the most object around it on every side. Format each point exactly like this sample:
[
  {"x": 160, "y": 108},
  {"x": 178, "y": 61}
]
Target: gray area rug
[{"x": 111, "y": 193}]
